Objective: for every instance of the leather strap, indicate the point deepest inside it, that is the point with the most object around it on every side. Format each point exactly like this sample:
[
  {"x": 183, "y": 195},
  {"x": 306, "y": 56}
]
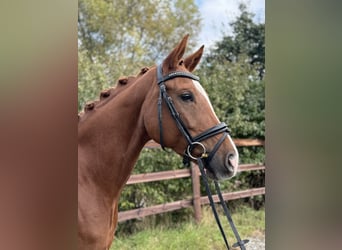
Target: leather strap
[
  {"x": 161, "y": 78},
  {"x": 240, "y": 243},
  {"x": 220, "y": 128},
  {"x": 211, "y": 201}
]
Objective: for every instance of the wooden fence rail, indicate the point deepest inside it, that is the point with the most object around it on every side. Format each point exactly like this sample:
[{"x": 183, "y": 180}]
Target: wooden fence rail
[
  {"x": 197, "y": 200},
  {"x": 171, "y": 206},
  {"x": 181, "y": 173}
]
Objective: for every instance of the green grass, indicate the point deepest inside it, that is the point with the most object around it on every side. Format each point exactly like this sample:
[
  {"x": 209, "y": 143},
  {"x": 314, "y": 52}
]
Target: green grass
[{"x": 190, "y": 236}]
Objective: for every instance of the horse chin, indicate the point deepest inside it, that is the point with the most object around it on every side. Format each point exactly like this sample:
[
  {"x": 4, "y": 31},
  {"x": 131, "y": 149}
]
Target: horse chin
[
  {"x": 211, "y": 174},
  {"x": 217, "y": 176},
  {"x": 218, "y": 170}
]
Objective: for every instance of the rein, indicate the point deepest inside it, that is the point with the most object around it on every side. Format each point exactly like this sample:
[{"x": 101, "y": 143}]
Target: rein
[{"x": 204, "y": 159}]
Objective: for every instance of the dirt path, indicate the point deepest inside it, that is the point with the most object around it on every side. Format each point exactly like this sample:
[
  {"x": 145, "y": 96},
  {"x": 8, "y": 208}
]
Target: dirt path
[{"x": 257, "y": 243}]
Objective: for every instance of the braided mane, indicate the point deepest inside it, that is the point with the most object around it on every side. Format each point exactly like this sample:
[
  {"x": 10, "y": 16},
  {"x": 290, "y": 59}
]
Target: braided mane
[{"x": 110, "y": 93}]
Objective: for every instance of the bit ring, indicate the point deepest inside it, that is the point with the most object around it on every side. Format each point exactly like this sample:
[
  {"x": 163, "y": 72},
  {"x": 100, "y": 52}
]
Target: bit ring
[{"x": 191, "y": 146}]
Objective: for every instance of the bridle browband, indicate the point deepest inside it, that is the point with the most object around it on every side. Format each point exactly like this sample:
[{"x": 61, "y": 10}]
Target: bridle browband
[{"x": 204, "y": 159}]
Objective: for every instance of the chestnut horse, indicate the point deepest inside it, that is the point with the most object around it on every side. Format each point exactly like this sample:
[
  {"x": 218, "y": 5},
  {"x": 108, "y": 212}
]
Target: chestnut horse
[{"x": 119, "y": 125}]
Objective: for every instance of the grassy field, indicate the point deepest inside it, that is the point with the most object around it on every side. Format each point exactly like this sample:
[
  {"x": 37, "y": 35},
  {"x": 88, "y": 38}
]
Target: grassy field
[{"x": 188, "y": 235}]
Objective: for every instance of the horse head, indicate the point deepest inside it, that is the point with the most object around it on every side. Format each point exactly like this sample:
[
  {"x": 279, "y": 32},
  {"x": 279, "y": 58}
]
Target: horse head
[{"x": 178, "y": 114}]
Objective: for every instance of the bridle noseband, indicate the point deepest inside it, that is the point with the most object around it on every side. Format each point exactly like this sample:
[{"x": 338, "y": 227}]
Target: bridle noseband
[
  {"x": 204, "y": 159},
  {"x": 192, "y": 141}
]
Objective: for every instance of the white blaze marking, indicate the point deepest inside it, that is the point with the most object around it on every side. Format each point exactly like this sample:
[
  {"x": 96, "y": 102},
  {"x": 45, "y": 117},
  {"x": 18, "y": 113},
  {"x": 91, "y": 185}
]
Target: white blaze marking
[
  {"x": 202, "y": 91},
  {"x": 236, "y": 153}
]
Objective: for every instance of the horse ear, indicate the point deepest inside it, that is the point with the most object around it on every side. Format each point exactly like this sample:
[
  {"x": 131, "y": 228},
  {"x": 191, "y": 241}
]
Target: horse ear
[
  {"x": 191, "y": 61},
  {"x": 172, "y": 60}
]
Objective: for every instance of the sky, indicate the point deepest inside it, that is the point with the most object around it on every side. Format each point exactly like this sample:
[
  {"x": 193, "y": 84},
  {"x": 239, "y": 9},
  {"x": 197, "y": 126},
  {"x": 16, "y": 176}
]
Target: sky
[{"x": 215, "y": 13}]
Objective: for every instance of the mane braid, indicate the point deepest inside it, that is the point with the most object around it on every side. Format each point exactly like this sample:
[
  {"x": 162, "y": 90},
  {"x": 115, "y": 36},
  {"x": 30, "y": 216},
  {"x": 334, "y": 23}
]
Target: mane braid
[{"x": 121, "y": 84}]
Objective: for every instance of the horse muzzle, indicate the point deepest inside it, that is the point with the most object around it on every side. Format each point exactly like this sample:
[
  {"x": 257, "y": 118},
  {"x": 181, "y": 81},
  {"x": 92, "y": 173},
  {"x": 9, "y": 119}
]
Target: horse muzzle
[{"x": 231, "y": 163}]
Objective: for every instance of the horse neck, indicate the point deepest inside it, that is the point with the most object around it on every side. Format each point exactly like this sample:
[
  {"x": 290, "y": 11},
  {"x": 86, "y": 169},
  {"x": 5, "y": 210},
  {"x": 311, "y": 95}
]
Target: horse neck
[{"x": 111, "y": 139}]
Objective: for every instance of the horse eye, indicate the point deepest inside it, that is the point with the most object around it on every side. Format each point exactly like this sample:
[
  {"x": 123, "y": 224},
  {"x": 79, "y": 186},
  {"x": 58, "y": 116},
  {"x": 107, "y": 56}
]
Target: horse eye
[{"x": 187, "y": 97}]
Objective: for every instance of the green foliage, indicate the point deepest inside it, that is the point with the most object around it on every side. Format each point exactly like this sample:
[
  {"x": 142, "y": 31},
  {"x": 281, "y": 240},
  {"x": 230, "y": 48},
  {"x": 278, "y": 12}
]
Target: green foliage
[
  {"x": 92, "y": 77},
  {"x": 248, "y": 39},
  {"x": 152, "y": 160},
  {"x": 237, "y": 95},
  {"x": 144, "y": 195},
  {"x": 119, "y": 37}
]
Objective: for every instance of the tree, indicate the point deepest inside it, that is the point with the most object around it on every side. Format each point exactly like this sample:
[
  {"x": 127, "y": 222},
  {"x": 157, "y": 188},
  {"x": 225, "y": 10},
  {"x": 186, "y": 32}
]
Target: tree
[
  {"x": 237, "y": 95},
  {"x": 233, "y": 73},
  {"x": 119, "y": 37},
  {"x": 248, "y": 39}
]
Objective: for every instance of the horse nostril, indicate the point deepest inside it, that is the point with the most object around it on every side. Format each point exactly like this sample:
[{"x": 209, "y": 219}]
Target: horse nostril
[{"x": 230, "y": 162}]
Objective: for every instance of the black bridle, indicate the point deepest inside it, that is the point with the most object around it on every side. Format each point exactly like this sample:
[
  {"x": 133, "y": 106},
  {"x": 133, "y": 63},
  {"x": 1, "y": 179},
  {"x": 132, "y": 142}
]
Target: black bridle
[
  {"x": 192, "y": 141},
  {"x": 205, "y": 158}
]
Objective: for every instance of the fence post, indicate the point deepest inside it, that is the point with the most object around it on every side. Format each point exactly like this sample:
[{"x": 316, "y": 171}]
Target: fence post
[{"x": 196, "y": 192}]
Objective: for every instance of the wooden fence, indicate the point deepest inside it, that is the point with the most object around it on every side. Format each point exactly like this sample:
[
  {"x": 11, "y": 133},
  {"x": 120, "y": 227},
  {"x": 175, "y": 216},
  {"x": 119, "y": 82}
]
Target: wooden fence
[{"x": 197, "y": 200}]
